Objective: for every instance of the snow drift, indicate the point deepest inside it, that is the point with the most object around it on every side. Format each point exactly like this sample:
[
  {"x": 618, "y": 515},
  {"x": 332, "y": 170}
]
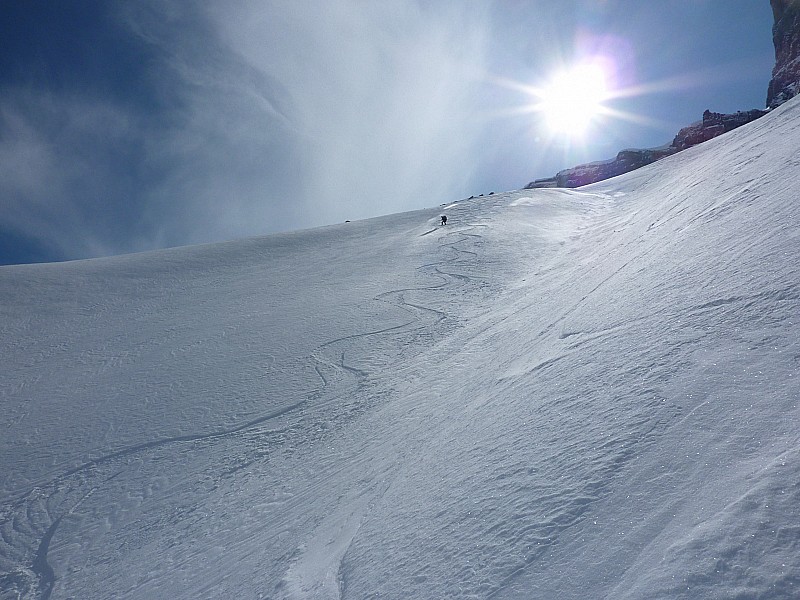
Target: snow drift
[{"x": 562, "y": 394}]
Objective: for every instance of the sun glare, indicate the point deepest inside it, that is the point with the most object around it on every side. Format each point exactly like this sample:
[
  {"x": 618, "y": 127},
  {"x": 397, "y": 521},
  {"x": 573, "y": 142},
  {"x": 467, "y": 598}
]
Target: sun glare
[
  {"x": 574, "y": 99},
  {"x": 576, "y": 104}
]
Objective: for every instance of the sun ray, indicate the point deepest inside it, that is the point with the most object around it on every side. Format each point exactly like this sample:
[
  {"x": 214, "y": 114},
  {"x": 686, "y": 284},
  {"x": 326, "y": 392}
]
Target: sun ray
[
  {"x": 581, "y": 103},
  {"x": 573, "y": 98},
  {"x": 631, "y": 117}
]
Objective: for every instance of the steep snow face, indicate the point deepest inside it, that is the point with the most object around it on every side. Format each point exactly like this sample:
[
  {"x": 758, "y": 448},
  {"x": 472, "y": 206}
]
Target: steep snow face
[{"x": 559, "y": 394}]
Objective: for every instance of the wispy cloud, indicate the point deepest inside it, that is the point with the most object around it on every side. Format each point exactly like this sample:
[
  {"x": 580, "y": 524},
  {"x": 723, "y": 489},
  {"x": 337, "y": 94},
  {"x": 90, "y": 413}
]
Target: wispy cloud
[
  {"x": 331, "y": 110},
  {"x": 53, "y": 187},
  {"x": 252, "y": 117}
]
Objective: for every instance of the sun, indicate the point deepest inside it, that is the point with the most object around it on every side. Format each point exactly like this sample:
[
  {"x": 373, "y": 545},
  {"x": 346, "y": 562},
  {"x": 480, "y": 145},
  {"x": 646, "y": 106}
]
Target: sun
[
  {"x": 573, "y": 99},
  {"x": 579, "y": 102}
]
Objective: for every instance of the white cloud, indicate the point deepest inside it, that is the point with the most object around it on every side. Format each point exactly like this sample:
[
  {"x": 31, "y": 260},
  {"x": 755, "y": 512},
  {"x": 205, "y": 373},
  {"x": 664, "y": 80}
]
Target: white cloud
[
  {"x": 326, "y": 110},
  {"x": 251, "y": 117}
]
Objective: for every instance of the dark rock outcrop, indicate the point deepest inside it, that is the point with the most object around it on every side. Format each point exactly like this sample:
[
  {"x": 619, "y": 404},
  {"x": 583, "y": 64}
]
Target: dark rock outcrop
[
  {"x": 785, "y": 83},
  {"x": 712, "y": 125},
  {"x": 626, "y": 160}
]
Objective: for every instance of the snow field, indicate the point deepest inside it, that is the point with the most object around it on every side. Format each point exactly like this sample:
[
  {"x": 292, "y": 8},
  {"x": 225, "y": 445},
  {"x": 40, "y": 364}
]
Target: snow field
[{"x": 560, "y": 394}]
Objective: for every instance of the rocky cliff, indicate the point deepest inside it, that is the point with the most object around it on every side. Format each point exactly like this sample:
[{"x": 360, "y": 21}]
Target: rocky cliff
[
  {"x": 785, "y": 82},
  {"x": 712, "y": 125},
  {"x": 626, "y": 160}
]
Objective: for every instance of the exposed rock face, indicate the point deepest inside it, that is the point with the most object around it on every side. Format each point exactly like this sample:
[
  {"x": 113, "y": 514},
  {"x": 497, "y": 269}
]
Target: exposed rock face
[
  {"x": 712, "y": 125},
  {"x": 785, "y": 82},
  {"x": 626, "y": 160}
]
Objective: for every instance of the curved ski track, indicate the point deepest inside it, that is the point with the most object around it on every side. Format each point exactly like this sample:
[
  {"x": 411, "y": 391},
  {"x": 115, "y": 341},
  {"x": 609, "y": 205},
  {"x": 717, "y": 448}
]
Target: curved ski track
[{"x": 29, "y": 522}]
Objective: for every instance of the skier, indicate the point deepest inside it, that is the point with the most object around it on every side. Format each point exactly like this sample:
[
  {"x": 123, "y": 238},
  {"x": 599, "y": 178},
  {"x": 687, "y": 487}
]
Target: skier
[{"x": 444, "y": 220}]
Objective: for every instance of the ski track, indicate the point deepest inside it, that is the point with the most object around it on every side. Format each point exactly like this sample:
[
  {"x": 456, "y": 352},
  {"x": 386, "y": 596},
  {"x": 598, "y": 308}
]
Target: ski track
[
  {"x": 495, "y": 481},
  {"x": 316, "y": 573},
  {"x": 36, "y": 516},
  {"x": 29, "y": 522}
]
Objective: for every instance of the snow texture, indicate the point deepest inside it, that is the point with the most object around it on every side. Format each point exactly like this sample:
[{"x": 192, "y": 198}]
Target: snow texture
[{"x": 565, "y": 394}]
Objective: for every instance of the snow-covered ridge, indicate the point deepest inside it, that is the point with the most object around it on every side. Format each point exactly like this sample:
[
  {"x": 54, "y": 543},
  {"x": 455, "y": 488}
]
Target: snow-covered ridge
[{"x": 559, "y": 394}]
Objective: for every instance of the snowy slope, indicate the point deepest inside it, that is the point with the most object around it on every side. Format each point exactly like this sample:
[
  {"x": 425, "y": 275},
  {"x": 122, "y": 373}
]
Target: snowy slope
[{"x": 561, "y": 394}]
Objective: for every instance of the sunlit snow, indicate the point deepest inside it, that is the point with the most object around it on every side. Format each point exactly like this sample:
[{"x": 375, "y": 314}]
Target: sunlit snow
[{"x": 559, "y": 394}]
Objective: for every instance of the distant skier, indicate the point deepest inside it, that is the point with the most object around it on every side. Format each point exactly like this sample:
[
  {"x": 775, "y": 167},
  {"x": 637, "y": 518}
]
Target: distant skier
[{"x": 444, "y": 219}]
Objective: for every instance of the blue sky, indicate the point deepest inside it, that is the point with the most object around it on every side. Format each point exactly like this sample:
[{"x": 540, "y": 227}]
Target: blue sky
[{"x": 133, "y": 125}]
